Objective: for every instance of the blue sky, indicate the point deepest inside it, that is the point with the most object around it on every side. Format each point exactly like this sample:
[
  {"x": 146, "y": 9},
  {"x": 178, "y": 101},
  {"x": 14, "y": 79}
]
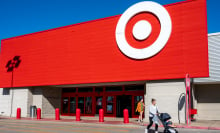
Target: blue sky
[{"x": 18, "y": 17}]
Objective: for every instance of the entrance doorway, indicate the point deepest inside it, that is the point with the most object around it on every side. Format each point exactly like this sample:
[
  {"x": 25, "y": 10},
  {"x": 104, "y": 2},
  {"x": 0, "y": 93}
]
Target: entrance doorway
[
  {"x": 112, "y": 99},
  {"x": 124, "y": 102},
  {"x": 85, "y": 105}
]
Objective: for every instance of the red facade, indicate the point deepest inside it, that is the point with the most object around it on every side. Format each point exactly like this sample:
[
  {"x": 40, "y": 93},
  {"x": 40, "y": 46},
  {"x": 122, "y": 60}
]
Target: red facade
[{"x": 88, "y": 53}]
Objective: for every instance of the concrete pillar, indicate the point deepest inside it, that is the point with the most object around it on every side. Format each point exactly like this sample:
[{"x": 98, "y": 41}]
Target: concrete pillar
[
  {"x": 167, "y": 94},
  {"x": 51, "y": 99}
]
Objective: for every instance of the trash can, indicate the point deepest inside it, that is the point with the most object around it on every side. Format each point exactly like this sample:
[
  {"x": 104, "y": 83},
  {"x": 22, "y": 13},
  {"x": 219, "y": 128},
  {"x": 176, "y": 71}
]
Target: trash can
[{"x": 33, "y": 111}]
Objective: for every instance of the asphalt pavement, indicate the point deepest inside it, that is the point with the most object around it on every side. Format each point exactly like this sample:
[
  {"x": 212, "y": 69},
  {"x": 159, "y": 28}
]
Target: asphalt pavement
[{"x": 34, "y": 126}]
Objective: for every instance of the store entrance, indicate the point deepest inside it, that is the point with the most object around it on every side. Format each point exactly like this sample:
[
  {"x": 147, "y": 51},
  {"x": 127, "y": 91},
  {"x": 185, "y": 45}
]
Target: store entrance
[
  {"x": 112, "y": 99},
  {"x": 123, "y": 102}
]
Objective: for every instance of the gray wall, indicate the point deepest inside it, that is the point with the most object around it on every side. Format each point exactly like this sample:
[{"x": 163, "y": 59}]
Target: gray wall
[
  {"x": 167, "y": 94},
  {"x": 46, "y": 98},
  {"x": 50, "y": 101},
  {"x": 207, "y": 99}
]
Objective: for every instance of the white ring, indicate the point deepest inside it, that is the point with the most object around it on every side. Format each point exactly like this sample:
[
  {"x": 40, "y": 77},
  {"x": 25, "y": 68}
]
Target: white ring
[
  {"x": 165, "y": 23},
  {"x": 141, "y": 30}
]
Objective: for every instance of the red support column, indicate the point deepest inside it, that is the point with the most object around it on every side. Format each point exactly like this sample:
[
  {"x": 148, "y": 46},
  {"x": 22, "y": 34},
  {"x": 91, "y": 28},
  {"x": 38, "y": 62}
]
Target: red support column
[
  {"x": 38, "y": 113},
  {"x": 126, "y": 116},
  {"x": 57, "y": 114},
  {"x": 101, "y": 115},
  {"x": 77, "y": 114},
  {"x": 188, "y": 100},
  {"x": 18, "y": 113}
]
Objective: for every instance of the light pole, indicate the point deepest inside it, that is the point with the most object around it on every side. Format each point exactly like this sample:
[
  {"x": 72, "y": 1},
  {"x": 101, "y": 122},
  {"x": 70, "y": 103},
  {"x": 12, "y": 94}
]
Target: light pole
[{"x": 11, "y": 64}]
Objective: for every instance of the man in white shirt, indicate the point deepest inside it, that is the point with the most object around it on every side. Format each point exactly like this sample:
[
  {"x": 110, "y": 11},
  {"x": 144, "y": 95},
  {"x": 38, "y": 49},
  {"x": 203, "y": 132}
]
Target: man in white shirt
[{"x": 153, "y": 111}]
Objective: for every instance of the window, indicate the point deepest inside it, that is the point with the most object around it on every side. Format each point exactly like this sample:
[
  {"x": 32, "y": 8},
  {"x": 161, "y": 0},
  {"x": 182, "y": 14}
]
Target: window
[
  {"x": 81, "y": 101},
  {"x": 134, "y": 88},
  {"x": 69, "y": 90},
  {"x": 6, "y": 91},
  {"x": 98, "y": 104},
  {"x": 85, "y": 89},
  {"x": 98, "y": 89},
  {"x": 88, "y": 106},
  {"x": 72, "y": 104},
  {"x": 113, "y": 88},
  {"x": 65, "y": 105},
  {"x": 109, "y": 104}
]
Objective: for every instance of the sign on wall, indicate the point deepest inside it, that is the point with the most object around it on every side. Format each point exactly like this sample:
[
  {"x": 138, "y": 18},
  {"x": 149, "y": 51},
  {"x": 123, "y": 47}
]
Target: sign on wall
[{"x": 147, "y": 42}]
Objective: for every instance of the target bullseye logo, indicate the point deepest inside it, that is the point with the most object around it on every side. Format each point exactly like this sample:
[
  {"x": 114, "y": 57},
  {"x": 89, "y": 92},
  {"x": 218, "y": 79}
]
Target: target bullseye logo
[{"x": 142, "y": 30}]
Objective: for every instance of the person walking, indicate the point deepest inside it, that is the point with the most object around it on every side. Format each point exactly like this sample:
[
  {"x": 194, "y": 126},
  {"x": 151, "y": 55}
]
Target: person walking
[
  {"x": 153, "y": 112},
  {"x": 140, "y": 109}
]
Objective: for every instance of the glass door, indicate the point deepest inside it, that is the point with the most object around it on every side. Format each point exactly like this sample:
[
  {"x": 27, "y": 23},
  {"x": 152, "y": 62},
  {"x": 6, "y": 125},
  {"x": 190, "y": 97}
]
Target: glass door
[
  {"x": 124, "y": 102},
  {"x": 85, "y": 105},
  {"x": 81, "y": 101},
  {"x": 98, "y": 104},
  {"x": 110, "y": 105},
  {"x": 88, "y": 105},
  {"x": 73, "y": 105},
  {"x": 65, "y": 105}
]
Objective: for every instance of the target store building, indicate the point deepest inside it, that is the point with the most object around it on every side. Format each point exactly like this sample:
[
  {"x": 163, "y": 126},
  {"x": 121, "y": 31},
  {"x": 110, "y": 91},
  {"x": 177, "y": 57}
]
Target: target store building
[{"x": 109, "y": 63}]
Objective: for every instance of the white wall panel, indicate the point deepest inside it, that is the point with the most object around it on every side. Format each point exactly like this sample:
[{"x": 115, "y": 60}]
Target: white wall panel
[
  {"x": 214, "y": 60},
  {"x": 5, "y": 103}
]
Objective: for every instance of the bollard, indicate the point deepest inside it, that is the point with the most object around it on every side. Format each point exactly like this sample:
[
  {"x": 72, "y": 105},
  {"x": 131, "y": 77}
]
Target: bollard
[
  {"x": 38, "y": 113},
  {"x": 126, "y": 116},
  {"x": 101, "y": 115},
  {"x": 57, "y": 114},
  {"x": 77, "y": 114},
  {"x": 18, "y": 113}
]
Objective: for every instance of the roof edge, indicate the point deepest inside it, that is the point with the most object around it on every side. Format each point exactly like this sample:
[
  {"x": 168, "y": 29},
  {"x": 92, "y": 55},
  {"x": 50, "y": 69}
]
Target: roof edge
[{"x": 214, "y": 34}]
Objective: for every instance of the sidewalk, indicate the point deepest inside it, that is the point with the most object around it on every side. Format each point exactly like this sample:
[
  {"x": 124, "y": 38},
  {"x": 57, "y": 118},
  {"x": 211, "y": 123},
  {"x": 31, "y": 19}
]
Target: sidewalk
[
  {"x": 202, "y": 124},
  {"x": 199, "y": 124}
]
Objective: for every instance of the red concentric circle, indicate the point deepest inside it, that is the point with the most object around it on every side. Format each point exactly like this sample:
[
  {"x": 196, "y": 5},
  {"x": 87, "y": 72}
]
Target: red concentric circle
[{"x": 151, "y": 38}]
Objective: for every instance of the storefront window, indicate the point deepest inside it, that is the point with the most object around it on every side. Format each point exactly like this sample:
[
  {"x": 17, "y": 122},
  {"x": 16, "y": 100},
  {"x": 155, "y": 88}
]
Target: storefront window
[
  {"x": 98, "y": 104},
  {"x": 109, "y": 105},
  {"x": 69, "y": 90},
  {"x": 98, "y": 89},
  {"x": 73, "y": 105},
  {"x": 110, "y": 98},
  {"x": 85, "y": 89},
  {"x": 134, "y": 88},
  {"x": 81, "y": 104},
  {"x": 113, "y": 88},
  {"x": 88, "y": 107},
  {"x": 65, "y": 104}
]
